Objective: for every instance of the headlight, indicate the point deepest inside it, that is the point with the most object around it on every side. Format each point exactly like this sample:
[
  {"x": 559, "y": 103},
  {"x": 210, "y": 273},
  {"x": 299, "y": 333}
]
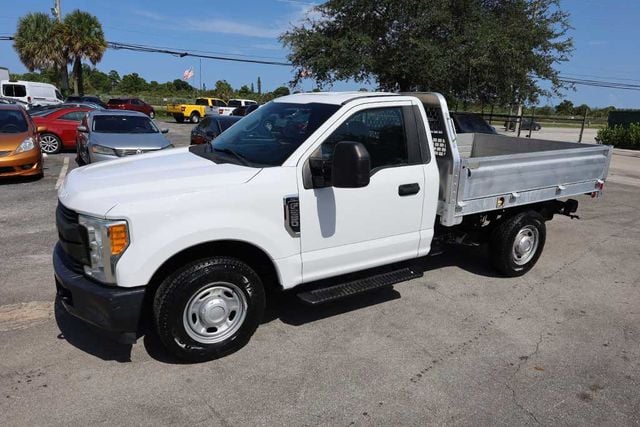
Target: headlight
[
  {"x": 99, "y": 149},
  {"x": 108, "y": 239},
  {"x": 26, "y": 145}
]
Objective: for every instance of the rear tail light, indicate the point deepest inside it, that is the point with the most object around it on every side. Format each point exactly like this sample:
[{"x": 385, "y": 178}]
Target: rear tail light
[{"x": 600, "y": 185}]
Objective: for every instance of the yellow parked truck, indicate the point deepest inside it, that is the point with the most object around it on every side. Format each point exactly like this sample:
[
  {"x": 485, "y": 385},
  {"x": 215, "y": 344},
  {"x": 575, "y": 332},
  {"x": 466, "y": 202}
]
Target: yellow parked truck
[{"x": 195, "y": 112}]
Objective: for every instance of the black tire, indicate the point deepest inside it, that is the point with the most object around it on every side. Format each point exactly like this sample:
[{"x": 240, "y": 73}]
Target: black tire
[
  {"x": 173, "y": 323},
  {"x": 179, "y": 118},
  {"x": 526, "y": 227},
  {"x": 194, "y": 118},
  {"x": 79, "y": 160},
  {"x": 50, "y": 143}
]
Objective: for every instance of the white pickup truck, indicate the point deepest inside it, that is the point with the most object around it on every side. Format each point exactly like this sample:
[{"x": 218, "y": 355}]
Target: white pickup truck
[{"x": 192, "y": 241}]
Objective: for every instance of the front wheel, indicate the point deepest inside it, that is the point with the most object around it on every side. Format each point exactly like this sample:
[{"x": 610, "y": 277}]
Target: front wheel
[
  {"x": 517, "y": 243},
  {"x": 208, "y": 309},
  {"x": 195, "y": 118},
  {"x": 50, "y": 143}
]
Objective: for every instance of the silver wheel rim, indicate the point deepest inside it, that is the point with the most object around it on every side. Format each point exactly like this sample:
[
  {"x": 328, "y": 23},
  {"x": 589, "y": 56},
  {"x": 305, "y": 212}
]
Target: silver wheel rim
[
  {"x": 525, "y": 245},
  {"x": 195, "y": 119},
  {"x": 48, "y": 143},
  {"x": 215, "y": 312}
]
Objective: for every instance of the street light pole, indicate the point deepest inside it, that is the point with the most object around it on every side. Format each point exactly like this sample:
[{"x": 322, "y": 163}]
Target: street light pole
[{"x": 56, "y": 10}]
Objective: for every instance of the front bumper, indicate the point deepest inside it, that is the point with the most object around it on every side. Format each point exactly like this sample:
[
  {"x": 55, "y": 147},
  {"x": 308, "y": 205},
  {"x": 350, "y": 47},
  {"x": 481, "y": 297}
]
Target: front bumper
[
  {"x": 114, "y": 310},
  {"x": 28, "y": 163}
]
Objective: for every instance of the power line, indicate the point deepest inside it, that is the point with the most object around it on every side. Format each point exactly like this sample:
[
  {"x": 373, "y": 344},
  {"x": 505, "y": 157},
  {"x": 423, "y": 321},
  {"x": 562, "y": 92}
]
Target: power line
[{"x": 182, "y": 54}]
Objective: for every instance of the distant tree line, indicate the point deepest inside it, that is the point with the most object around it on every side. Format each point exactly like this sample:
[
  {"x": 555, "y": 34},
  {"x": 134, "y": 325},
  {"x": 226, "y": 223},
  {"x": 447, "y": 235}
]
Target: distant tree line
[{"x": 111, "y": 83}]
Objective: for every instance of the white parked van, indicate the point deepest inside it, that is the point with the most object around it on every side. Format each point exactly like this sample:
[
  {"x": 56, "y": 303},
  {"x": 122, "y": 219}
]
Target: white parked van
[{"x": 33, "y": 93}]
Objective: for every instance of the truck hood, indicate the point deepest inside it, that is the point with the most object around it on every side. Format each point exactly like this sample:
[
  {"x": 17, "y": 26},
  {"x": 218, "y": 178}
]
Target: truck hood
[{"x": 96, "y": 189}]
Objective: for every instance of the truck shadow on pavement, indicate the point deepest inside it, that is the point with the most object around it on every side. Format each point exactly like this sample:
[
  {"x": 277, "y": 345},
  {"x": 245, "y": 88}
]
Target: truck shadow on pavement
[{"x": 88, "y": 338}]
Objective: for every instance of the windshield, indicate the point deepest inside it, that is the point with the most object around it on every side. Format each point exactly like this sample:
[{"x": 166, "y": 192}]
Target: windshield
[
  {"x": 272, "y": 133},
  {"x": 235, "y": 103},
  {"x": 123, "y": 124},
  {"x": 12, "y": 121}
]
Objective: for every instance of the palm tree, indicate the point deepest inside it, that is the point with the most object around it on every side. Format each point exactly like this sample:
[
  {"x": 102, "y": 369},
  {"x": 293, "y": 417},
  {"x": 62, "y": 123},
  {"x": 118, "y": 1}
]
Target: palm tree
[
  {"x": 38, "y": 43},
  {"x": 83, "y": 39}
]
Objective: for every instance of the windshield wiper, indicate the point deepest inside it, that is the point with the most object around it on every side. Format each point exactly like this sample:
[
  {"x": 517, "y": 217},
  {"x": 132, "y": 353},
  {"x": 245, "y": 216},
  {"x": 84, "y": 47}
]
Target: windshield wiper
[{"x": 238, "y": 156}]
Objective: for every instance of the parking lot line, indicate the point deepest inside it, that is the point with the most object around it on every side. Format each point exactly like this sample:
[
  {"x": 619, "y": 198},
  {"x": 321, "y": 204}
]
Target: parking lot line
[{"x": 63, "y": 172}]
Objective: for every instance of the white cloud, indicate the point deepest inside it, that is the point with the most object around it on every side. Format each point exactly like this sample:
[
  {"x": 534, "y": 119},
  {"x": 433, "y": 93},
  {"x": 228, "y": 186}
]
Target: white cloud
[
  {"x": 301, "y": 10},
  {"x": 226, "y": 26}
]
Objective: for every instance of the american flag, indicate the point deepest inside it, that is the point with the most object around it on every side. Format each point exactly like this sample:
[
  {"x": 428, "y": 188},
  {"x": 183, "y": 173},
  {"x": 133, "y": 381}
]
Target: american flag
[{"x": 187, "y": 74}]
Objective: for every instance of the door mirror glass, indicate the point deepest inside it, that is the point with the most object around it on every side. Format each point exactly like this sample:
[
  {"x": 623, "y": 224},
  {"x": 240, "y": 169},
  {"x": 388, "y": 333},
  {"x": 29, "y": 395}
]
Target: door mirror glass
[
  {"x": 351, "y": 166},
  {"x": 82, "y": 128}
]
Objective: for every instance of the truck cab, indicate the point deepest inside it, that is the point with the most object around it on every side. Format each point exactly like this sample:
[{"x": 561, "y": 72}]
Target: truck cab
[{"x": 305, "y": 190}]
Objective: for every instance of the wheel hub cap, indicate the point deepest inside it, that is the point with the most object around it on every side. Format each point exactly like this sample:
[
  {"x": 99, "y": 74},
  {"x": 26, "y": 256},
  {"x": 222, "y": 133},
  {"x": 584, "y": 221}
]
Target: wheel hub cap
[
  {"x": 215, "y": 312},
  {"x": 525, "y": 245}
]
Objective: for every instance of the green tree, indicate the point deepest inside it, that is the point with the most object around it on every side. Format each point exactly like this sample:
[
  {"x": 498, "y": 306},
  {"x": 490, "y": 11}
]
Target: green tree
[
  {"x": 223, "y": 89},
  {"x": 546, "y": 110},
  {"x": 132, "y": 83},
  {"x": 259, "y": 86},
  {"x": 581, "y": 110},
  {"x": 181, "y": 85},
  {"x": 83, "y": 39},
  {"x": 471, "y": 49},
  {"x": 38, "y": 43},
  {"x": 565, "y": 108},
  {"x": 281, "y": 91},
  {"x": 114, "y": 78},
  {"x": 244, "y": 90}
]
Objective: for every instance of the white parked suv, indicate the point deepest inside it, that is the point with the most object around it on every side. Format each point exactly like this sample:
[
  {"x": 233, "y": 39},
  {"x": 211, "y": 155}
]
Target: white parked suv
[{"x": 192, "y": 241}]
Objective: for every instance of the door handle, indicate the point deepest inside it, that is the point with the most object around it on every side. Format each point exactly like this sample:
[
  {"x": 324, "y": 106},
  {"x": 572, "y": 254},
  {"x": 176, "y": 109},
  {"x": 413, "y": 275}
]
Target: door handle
[{"x": 408, "y": 189}]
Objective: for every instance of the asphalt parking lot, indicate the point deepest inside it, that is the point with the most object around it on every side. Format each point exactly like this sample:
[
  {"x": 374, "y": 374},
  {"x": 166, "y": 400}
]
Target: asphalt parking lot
[{"x": 460, "y": 345}]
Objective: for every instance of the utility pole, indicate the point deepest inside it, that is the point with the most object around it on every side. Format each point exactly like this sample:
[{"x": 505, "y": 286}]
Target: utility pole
[
  {"x": 200, "y": 74},
  {"x": 56, "y": 10}
]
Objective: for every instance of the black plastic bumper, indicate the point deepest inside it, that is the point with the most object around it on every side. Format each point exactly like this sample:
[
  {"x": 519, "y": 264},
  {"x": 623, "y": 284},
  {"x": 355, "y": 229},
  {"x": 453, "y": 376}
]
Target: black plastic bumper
[{"x": 115, "y": 310}]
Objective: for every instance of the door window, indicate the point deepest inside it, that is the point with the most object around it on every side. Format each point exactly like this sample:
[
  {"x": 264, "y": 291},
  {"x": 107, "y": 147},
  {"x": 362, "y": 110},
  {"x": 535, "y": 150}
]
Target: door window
[
  {"x": 380, "y": 130},
  {"x": 18, "y": 91},
  {"x": 75, "y": 116}
]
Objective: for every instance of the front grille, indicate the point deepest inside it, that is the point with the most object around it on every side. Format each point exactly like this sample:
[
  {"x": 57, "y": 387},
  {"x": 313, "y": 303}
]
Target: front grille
[
  {"x": 7, "y": 169},
  {"x": 73, "y": 237},
  {"x": 131, "y": 152}
]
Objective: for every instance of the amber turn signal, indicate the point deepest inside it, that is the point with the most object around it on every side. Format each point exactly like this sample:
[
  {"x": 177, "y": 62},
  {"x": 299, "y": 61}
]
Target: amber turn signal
[{"x": 119, "y": 238}]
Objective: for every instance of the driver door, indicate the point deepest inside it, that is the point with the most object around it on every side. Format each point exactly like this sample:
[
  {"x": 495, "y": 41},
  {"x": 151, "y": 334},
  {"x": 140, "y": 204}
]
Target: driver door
[{"x": 350, "y": 229}]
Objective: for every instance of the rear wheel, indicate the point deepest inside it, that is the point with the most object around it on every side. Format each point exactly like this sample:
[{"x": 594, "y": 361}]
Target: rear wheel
[
  {"x": 517, "y": 243},
  {"x": 195, "y": 117},
  {"x": 50, "y": 143},
  {"x": 208, "y": 309}
]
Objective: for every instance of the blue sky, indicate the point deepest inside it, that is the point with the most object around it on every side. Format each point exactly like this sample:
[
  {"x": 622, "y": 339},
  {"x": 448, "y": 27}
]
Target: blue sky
[{"x": 606, "y": 37}]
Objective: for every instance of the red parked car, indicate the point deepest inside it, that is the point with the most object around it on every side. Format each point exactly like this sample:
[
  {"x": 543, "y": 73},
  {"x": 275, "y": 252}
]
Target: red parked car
[
  {"x": 133, "y": 104},
  {"x": 62, "y": 128}
]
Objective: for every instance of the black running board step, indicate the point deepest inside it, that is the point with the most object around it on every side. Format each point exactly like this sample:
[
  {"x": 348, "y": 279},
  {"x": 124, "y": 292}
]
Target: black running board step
[{"x": 332, "y": 293}]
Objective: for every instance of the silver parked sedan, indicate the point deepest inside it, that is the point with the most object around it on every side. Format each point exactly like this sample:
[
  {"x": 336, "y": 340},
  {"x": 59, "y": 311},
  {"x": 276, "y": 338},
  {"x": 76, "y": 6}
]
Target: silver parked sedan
[{"x": 109, "y": 135}]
